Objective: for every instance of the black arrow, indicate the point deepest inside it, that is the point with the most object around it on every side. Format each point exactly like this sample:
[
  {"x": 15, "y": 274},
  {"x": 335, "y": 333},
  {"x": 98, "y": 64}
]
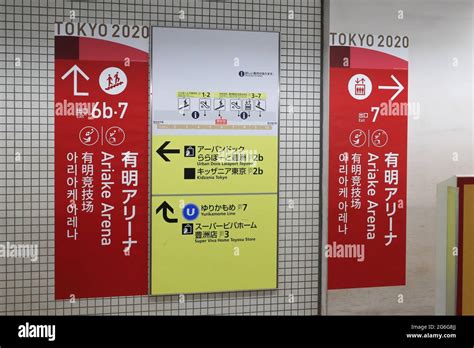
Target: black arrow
[
  {"x": 162, "y": 151},
  {"x": 166, "y": 207}
]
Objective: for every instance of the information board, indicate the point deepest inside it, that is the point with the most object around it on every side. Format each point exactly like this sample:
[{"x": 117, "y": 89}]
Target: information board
[{"x": 214, "y": 160}]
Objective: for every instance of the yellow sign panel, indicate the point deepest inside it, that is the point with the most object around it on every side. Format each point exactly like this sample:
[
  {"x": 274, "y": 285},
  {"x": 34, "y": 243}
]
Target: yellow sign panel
[
  {"x": 247, "y": 95},
  {"x": 205, "y": 243},
  {"x": 468, "y": 255},
  {"x": 451, "y": 244},
  {"x": 214, "y": 164}
]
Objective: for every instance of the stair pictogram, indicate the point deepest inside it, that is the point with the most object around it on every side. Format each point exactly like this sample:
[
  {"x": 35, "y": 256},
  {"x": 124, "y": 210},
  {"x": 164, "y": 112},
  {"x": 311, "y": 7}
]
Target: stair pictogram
[{"x": 113, "y": 81}]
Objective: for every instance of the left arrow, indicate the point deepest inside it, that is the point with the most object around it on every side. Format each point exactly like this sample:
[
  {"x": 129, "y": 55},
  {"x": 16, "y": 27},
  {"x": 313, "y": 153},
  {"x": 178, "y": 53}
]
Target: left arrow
[
  {"x": 162, "y": 151},
  {"x": 74, "y": 70},
  {"x": 166, "y": 207}
]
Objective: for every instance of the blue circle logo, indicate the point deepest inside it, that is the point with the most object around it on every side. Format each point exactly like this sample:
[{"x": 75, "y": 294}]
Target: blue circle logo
[{"x": 190, "y": 212}]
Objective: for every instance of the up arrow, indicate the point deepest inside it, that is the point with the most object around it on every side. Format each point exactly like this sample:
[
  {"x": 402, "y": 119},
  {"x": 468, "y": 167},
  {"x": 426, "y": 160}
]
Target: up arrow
[
  {"x": 399, "y": 87},
  {"x": 75, "y": 69},
  {"x": 165, "y": 207}
]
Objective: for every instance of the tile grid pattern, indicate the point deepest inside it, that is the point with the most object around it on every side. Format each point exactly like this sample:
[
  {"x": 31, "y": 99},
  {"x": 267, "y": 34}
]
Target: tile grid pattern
[{"x": 27, "y": 151}]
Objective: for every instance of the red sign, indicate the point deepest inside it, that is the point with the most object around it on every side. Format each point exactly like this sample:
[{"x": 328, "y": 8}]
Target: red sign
[
  {"x": 367, "y": 168},
  {"x": 101, "y": 168},
  {"x": 461, "y": 182}
]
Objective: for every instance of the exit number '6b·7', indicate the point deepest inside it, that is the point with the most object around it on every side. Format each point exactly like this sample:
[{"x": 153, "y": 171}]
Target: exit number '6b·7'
[{"x": 102, "y": 110}]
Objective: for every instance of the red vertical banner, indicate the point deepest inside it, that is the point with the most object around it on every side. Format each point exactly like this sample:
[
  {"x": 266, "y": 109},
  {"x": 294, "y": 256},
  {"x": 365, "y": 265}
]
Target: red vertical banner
[
  {"x": 367, "y": 168},
  {"x": 101, "y": 160}
]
